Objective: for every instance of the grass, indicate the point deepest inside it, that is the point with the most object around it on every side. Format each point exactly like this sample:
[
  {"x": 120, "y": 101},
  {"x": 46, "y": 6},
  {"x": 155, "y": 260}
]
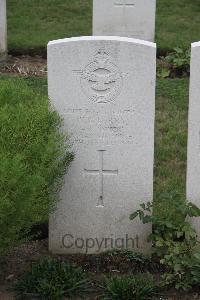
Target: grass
[
  {"x": 33, "y": 158},
  {"x": 171, "y": 138},
  {"x": 32, "y": 23},
  {"x": 56, "y": 279},
  {"x": 178, "y": 23},
  {"x": 140, "y": 287},
  {"x": 52, "y": 279},
  {"x": 171, "y": 132}
]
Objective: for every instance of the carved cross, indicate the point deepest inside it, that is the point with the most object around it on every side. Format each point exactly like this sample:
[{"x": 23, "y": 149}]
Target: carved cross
[{"x": 101, "y": 173}]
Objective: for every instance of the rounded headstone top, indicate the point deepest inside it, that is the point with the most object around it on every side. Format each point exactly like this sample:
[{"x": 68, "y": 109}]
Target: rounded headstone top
[{"x": 103, "y": 38}]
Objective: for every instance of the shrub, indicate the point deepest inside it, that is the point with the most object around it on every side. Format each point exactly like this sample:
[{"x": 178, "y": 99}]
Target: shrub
[
  {"x": 179, "y": 61},
  {"x": 176, "y": 63},
  {"x": 140, "y": 287},
  {"x": 175, "y": 241},
  {"x": 52, "y": 279},
  {"x": 33, "y": 159}
]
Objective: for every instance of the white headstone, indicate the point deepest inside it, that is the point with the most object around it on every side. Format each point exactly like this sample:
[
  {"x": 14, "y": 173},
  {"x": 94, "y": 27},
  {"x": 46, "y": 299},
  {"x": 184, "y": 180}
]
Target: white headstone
[
  {"x": 3, "y": 30},
  {"x": 104, "y": 88},
  {"x": 193, "y": 157},
  {"x": 129, "y": 18}
]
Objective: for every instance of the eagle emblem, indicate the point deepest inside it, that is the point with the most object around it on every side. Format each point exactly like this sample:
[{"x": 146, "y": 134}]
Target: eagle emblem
[{"x": 101, "y": 80}]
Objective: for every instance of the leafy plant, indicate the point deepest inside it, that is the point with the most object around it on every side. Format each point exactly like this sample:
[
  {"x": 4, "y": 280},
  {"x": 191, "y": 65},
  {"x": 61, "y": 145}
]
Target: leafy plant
[
  {"x": 52, "y": 279},
  {"x": 177, "y": 63},
  {"x": 33, "y": 159},
  {"x": 140, "y": 287},
  {"x": 129, "y": 255},
  {"x": 175, "y": 241},
  {"x": 163, "y": 72}
]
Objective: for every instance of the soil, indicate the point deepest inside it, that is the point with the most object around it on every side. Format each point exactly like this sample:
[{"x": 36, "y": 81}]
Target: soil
[
  {"x": 24, "y": 65},
  {"x": 13, "y": 265}
]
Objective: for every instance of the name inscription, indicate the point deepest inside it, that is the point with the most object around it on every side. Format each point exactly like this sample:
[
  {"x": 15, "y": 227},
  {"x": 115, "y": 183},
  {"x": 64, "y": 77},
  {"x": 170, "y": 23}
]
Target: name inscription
[{"x": 91, "y": 127}]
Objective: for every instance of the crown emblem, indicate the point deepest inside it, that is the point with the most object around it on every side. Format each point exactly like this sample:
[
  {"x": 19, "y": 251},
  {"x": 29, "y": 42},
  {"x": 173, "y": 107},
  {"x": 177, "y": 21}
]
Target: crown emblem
[{"x": 101, "y": 57}]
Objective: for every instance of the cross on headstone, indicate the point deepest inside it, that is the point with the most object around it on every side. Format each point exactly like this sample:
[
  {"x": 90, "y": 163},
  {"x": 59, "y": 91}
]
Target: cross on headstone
[
  {"x": 116, "y": 126},
  {"x": 101, "y": 172},
  {"x": 124, "y": 3}
]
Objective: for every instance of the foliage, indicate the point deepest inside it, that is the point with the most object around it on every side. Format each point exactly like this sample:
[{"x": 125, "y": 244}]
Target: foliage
[
  {"x": 33, "y": 160},
  {"x": 163, "y": 71},
  {"x": 52, "y": 279},
  {"x": 177, "y": 63},
  {"x": 175, "y": 241},
  {"x": 137, "y": 257},
  {"x": 140, "y": 287}
]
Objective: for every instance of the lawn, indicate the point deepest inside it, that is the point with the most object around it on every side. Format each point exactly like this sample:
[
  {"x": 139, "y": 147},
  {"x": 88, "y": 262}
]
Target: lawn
[
  {"x": 171, "y": 139},
  {"x": 178, "y": 23},
  {"x": 32, "y": 23}
]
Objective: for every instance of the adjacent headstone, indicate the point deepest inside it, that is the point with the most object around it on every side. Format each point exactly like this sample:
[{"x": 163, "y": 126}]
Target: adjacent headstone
[
  {"x": 127, "y": 18},
  {"x": 104, "y": 88},
  {"x": 3, "y": 30},
  {"x": 193, "y": 157}
]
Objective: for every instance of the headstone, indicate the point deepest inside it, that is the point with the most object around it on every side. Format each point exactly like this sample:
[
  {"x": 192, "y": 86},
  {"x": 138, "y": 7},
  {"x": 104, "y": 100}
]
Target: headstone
[
  {"x": 104, "y": 88},
  {"x": 193, "y": 157},
  {"x": 127, "y": 18},
  {"x": 3, "y": 30}
]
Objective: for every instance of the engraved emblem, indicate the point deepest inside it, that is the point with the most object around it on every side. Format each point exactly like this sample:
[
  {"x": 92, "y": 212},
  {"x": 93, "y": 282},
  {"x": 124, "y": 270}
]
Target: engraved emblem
[{"x": 101, "y": 80}]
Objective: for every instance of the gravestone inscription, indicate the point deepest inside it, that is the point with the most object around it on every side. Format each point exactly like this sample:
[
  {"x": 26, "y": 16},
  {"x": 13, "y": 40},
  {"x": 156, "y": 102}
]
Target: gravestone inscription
[{"x": 104, "y": 88}]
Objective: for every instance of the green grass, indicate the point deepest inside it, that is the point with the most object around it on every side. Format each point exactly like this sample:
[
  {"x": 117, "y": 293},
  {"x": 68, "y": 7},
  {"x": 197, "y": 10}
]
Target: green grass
[
  {"x": 178, "y": 23},
  {"x": 52, "y": 279},
  {"x": 171, "y": 132},
  {"x": 171, "y": 138},
  {"x": 33, "y": 157},
  {"x": 141, "y": 287},
  {"x": 32, "y": 23}
]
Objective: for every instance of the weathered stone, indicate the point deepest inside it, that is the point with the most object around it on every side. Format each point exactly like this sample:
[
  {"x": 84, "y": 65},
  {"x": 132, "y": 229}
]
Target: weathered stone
[
  {"x": 129, "y": 18},
  {"x": 104, "y": 88},
  {"x": 193, "y": 157}
]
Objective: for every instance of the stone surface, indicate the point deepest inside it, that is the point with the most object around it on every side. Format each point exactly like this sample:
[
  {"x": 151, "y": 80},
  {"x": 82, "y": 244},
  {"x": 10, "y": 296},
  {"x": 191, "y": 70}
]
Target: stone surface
[
  {"x": 127, "y": 18},
  {"x": 104, "y": 88},
  {"x": 3, "y": 30},
  {"x": 193, "y": 157}
]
